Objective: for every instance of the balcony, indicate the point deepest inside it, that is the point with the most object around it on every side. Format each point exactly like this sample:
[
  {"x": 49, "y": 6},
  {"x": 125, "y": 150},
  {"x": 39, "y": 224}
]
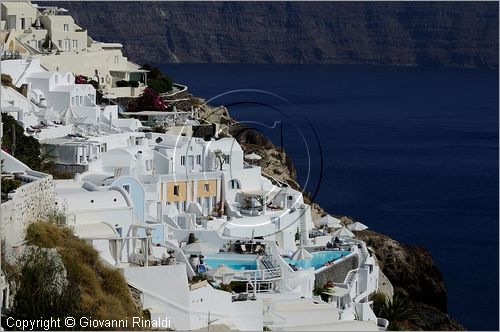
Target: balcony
[{"x": 126, "y": 91}]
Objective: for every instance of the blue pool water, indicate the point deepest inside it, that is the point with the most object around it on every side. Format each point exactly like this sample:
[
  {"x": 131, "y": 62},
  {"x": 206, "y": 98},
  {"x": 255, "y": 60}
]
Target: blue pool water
[
  {"x": 318, "y": 259},
  {"x": 237, "y": 262}
]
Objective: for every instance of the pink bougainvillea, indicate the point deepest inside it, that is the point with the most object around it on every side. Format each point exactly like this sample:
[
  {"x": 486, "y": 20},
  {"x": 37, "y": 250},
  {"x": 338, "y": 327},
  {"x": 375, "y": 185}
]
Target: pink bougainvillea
[
  {"x": 81, "y": 79},
  {"x": 149, "y": 99}
]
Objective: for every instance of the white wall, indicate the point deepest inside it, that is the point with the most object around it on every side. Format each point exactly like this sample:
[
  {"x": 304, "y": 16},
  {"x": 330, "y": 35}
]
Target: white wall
[
  {"x": 20, "y": 69},
  {"x": 30, "y": 203},
  {"x": 167, "y": 287}
]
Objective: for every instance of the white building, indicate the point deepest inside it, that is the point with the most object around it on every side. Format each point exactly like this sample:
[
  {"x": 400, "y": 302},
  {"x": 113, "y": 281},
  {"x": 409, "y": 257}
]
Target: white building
[
  {"x": 140, "y": 198},
  {"x": 51, "y": 35}
]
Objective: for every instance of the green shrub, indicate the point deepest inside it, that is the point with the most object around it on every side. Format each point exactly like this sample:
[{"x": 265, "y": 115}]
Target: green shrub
[
  {"x": 198, "y": 277},
  {"x": 27, "y": 148},
  {"x": 320, "y": 291},
  {"x": 159, "y": 129},
  {"x": 92, "y": 289},
  {"x": 7, "y": 80},
  {"x": 226, "y": 288},
  {"x": 44, "y": 289},
  {"x": 161, "y": 84},
  {"x": 9, "y": 185},
  {"x": 56, "y": 218},
  {"x": 153, "y": 72},
  {"x": 192, "y": 238},
  {"x": 157, "y": 80},
  {"x": 379, "y": 300},
  {"x": 398, "y": 312},
  {"x": 122, "y": 83}
]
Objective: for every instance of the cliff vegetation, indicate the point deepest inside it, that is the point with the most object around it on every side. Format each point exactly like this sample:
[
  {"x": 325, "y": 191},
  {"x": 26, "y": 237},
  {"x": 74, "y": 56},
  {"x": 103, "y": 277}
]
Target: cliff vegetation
[{"x": 60, "y": 275}]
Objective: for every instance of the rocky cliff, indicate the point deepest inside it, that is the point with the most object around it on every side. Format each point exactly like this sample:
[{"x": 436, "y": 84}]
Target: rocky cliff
[
  {"x": 458, "y": 34},
  {"x": 415, "y": 276}
]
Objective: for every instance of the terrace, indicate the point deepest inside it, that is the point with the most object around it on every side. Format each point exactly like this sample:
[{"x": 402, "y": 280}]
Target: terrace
[{"x": 16, "y": 180}]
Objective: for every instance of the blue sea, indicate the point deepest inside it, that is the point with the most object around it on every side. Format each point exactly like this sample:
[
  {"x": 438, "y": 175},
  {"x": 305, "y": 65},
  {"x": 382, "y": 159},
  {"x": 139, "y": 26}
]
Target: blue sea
[{"x": 411, "y": 152}]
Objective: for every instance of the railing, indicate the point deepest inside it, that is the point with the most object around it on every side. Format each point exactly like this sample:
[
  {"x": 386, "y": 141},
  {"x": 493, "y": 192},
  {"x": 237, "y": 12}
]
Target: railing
[
  {"x": 259, "y": 287},
  {"x": 349, "y": 279},
  {"x": 262, "y": 275},
  {"x": 10, "y": 55},
  {"x": 180, "y": 88}
]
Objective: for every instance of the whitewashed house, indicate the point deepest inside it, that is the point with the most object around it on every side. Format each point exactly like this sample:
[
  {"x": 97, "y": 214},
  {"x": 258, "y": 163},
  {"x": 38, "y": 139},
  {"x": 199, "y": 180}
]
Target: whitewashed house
[{"x": 51, "y": 35}]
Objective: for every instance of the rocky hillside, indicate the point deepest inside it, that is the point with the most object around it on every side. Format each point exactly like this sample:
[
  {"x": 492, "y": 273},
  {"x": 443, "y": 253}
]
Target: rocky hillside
[
  {"x": 458, "y": 34},
  {"x": 415, "y": 276}
]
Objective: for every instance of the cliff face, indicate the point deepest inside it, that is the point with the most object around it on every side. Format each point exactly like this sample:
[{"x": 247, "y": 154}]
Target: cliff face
[
  {"x": 459, "y": 34},
  {"x": 415, "y": 276}
]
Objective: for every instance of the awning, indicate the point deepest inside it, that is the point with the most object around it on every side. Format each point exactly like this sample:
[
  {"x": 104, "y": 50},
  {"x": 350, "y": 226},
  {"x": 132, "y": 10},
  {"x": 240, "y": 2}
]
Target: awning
[
  {"x": 98, "y": 230},
  {"x": 257, "y": 192},
  {"x": 337, "y": 291}
]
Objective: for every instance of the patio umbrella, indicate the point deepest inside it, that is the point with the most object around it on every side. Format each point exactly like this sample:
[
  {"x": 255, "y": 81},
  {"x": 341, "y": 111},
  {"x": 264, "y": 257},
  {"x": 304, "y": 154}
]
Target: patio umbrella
[
  {"x": 199, "y": 248},
  {"x": 301, "y": 254},
  {"x": 222, "y": 274},
  {"x": 343, "y": 232},
  {"x": 357, "y": 226},
  {"x": 195, "y": 208},
  {"x": 329, "y": 221},
  {"x": 253, "y": 156}
]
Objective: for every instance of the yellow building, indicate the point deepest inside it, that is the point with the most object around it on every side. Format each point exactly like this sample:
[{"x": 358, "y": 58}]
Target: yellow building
[{"x": 180, "y": 193}]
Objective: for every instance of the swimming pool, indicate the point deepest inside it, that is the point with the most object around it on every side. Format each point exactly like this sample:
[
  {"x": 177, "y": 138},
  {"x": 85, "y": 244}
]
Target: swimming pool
[
  {"x": 233, "y": 261},
  {"x": 318, "y": 259}
]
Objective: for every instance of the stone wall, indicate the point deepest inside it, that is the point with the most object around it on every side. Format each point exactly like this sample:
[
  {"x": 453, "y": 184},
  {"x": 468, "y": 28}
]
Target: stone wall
[
  {"x": 204, "y": 131},
  {"x": 73, "y": 169},
  {"x": 337, "y": 272},
  {"x": 30, "y": 202}
]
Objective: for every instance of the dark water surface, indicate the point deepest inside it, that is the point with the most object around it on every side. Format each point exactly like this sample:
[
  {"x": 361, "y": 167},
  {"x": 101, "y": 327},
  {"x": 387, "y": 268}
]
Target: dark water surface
[{"x": 411, "y": 152}]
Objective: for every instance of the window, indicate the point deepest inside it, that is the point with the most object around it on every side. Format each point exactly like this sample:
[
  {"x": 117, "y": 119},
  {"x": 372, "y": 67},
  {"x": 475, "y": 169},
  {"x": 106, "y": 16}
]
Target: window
[
  {"x": 68, "y": 78},
  {"x": 66, "y": 44},
  {"x": 23, "y": 23},
  {"x": 40, "y": 44},
  {"x": 234, "y": 184},
  {"x": 206, "y": 187},
  {"x": 176, "y": 190},
  {"x": 183, "y": 160},
  {"x": 66, "y": 27},
  {"x": 59, "y": 43},
  {"x": 226, "y": 158},
  {"x": 126, "y": 187},
  {"x": 72, "y": 101},
  {"x": 198, "y": 159},
  {"x": 56, "y": 79},
  {"x": 116, "y": 59},
  {"x": 75, "y": 44},
  {"x": 81, "y": 100}
]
